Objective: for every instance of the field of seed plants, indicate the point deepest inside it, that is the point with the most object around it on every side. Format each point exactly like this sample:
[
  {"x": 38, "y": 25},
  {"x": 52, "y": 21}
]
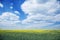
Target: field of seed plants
[{"x": 29, "y": 34}]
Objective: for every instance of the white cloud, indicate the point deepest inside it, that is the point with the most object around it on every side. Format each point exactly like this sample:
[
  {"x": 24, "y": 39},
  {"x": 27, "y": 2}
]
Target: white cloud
[
  {"x": 9, "y": 19},
  {"x": 41, "y": 10},
  {"x": 57, "y": 18},
  {"x": 1, "y": 5},
  {"x": 38, "y": 25},
  {"x": 41, "y": 13},
  {"x": 34, "y": 8},
  {"x": 9, "y": 16},
  {"x": 11, "y": 7},
  {"x": 16, "y": 12}
]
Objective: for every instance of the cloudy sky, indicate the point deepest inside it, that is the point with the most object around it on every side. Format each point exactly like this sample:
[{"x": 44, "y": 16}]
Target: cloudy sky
[{"x": 29, "y": 14}]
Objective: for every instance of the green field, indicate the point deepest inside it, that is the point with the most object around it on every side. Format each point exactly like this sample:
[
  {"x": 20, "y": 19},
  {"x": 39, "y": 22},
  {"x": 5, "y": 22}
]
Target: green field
[{"x": 29, "y": 34}]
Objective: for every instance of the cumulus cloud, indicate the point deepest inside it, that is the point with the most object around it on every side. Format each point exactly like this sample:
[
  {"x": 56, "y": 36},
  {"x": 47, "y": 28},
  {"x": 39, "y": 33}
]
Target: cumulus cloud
[
  {"x": 8, "y": 19},
  {"x": 9, "y": 16},
  {"x": 41, "y": 15},
  {"x": 41, "y": 10}
]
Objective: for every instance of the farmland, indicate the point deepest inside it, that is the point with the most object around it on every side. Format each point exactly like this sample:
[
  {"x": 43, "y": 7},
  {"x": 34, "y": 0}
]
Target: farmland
[{"x": 29, "y": 34}]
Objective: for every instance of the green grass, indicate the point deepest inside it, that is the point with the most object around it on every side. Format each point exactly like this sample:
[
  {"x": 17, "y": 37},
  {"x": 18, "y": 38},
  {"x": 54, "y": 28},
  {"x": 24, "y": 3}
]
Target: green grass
[{"x": 29, "y": 34}]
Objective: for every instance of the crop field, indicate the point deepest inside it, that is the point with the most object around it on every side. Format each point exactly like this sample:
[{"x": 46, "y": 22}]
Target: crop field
[{"x": 29, "y": 34}]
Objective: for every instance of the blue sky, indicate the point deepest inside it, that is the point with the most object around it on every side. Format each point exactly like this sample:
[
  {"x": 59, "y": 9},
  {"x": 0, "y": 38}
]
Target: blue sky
[
  {"x": 16, "y": 4},
  {"x": 29, "y": 14}
]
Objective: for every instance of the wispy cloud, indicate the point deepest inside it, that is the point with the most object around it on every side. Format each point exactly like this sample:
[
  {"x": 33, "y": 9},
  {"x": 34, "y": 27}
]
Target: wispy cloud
[{"x": 1, "y": 5}]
